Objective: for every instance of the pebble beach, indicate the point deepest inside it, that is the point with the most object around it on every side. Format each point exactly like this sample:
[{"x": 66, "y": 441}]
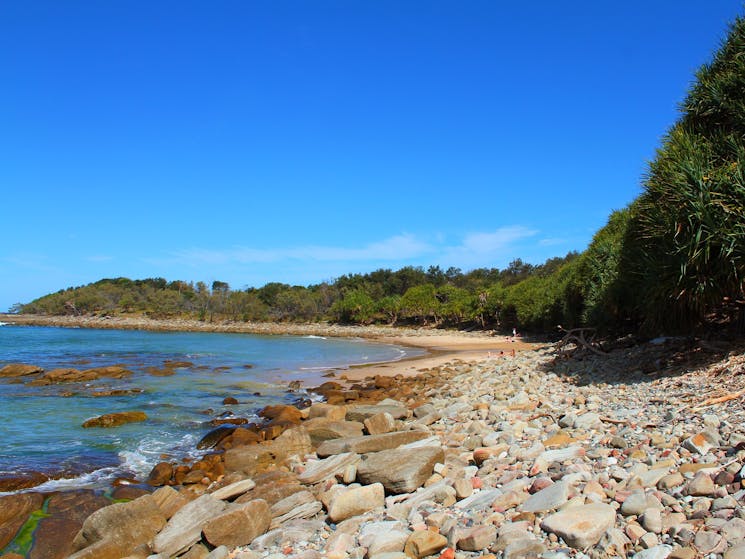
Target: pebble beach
[{"x": 469, "y": 452}]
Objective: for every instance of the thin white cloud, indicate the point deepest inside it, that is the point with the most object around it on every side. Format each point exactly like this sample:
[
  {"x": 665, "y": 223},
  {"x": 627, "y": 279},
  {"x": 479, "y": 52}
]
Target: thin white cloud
[
  {"x": 473, "y": 249},
  {"x": 490, "y": 243},
  {"x": 400, "y": 247},
  {"x": 28, "y": 261},
  {"x": 494, "y": 248}
]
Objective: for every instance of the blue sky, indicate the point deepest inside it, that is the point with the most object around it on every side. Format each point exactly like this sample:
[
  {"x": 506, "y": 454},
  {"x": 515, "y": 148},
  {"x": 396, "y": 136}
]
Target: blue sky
[{"x": 296, "y": 141}]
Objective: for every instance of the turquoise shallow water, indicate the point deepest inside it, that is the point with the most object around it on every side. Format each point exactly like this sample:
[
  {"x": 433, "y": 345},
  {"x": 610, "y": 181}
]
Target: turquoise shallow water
[{"x": 40, "y": 427}]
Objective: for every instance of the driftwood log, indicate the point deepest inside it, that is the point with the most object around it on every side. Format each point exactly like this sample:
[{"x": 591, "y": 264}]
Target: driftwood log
[{"x": 578, "y": 339}]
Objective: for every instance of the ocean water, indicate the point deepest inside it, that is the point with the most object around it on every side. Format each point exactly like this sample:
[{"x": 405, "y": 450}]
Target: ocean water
[{"x": 41, "y": 427}]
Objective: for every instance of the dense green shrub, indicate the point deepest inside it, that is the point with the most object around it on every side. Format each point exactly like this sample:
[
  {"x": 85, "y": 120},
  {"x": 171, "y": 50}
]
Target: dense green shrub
[{"x": 689, "y": 223}]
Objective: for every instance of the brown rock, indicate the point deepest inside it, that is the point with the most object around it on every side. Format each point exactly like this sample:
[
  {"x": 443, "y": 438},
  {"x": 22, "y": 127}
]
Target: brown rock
[
  {"x": 272, "y": 487},
  {"x": 20, "y": 370},
  {"x": 478, "y": 537},
  {"x": 581, "y": 526},
  {"x": 14, "y": 511},
  {"x": 369, "y": 443},
  {"x": 400, "y": 470},
  {"x": 233, "y": 490},
  {"x": 341, "y": 396},
  {"x": 128, "y": 493},
  {"x": 321, "y": 429},
  {"x": 184, "y": 529},
  {"x": 215, "y": 436},
  {"x": 559, "y": 440},
  {"x": 327, "y": 468},
  {"x": 111, "y": 371},
  {"x": 62, "y": 375},
  {"x": 327, "y": 411},
  {"x": 362, "y": 412},
  {"x": 194, "y": 476},
  {"x": 22, "y": 481},
  {"x": 242, "y": 436},
  {"x": 384, "y": 382},
  {"x": 122, "y": 525},
  {"x": 169, "y": 500},
  {"x": 54, "y": 535},
  {"x": 481, "y": 455},
  {"x": 257, "y": 458},
  {"x": 229, "y": 401},
  {"x": 380, "y": 423},
  {"x": 57, "y": 376},
  {"x": 115, "y": 419},
  {"x": 281, "y": 413},
  {"x": 161, "y": 474},
  {"x": 217, "y": 422},
  {"x": 356, "y": 501},
  {"x": 423, "y": 543},
  {"x": 274, "y": 430},
  {"x": 240, "y": 525}
]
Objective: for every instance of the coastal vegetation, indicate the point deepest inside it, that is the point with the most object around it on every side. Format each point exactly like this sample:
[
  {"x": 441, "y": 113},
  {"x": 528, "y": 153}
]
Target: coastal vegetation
[{"x": 673, "y": 260}]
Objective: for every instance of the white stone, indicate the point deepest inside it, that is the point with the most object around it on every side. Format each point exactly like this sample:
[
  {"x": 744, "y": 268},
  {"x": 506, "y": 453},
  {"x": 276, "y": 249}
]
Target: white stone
[{"x": 581, "y": 527}]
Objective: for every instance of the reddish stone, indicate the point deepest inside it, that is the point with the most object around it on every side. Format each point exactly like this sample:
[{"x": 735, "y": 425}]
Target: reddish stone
[
  {"x": 229, "y": 421},
  {"x": 161, "y": 474},
  {"x": 128, "y": 492},
  {"x": 242, "y": 436},
  {"x": 14, "y": 511},
  {"x": 54, "y": 535}
]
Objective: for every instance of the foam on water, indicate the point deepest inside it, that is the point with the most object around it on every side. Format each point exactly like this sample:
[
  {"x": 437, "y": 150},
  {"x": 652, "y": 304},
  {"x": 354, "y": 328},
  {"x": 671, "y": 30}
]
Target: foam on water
[
  {"x": 140, "y": 461},
  {"x": 91, "y": 480}
]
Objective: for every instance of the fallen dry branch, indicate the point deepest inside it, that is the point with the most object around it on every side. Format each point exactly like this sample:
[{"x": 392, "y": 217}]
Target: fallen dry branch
[
  {"x": 579, "y": 338},
  {"x": 719, "y": 400}
]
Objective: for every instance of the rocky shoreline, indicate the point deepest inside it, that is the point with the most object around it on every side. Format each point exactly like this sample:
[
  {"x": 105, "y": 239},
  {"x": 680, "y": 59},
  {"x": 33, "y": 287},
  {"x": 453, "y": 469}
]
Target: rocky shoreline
[{"x": 636, "y": 453}]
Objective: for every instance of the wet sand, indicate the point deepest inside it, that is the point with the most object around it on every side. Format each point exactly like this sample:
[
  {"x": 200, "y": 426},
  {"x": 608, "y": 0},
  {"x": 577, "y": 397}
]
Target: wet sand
[{"x": 442, "y": 348}]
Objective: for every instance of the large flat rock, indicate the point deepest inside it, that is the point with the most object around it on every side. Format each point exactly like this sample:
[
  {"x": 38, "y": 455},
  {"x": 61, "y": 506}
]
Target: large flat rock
[
  {"x": 124, "y": 524},
  {"x": 240, "y": 525},
  {"x": 256, "y": 458},
  {"x": 19, "y": 370},
  {"x": 322, "y": 429},
  {"x": 400, "y": 470},
  {"x": 14, "y": 510},
  {"x": 369, "y": 443},
  {"x": 328, "y": 467},
  {"x": 355, "y": 501},
  {"x": 581, "y": 526},
  {"x": 184, "y": 529},
  {"x": 362, "y": 412}
]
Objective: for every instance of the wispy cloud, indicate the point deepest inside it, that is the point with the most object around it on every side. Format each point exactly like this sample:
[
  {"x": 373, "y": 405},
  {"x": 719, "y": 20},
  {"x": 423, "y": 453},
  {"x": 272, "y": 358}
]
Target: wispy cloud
[
  {"x": 400, "y": 247},
  {"x": 490, "y": 243},
  {"x": 488, "y": 248},
  {"x": 29, "y": 261}
]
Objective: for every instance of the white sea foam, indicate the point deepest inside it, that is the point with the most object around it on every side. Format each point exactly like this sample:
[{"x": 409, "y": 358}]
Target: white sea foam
[
  {"x": 96, "y": 479},
  {"x": 3, "y": 323},
  {"x": 313, "y": 337},
  {"x": 148, "y": 453}
]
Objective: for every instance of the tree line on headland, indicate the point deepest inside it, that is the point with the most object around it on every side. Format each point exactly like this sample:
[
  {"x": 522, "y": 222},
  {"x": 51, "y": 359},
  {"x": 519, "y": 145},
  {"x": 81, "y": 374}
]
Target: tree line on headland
[{"x": 672, "y": 261}]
